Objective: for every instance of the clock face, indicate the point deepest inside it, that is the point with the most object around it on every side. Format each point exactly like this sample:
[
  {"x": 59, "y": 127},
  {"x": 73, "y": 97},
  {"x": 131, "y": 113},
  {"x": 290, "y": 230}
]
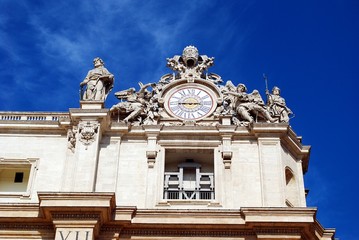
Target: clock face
[{"x": 190, "y": 103}]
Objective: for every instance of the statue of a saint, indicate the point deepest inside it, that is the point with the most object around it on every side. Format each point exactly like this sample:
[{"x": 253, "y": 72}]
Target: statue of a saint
[
  {"x": 277, "y": 105},
  {"x": 98, "y": 82}
]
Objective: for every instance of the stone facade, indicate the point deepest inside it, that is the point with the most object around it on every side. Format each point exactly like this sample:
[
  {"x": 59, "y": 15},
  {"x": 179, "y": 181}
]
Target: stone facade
[{"x": 183, "y": 158}]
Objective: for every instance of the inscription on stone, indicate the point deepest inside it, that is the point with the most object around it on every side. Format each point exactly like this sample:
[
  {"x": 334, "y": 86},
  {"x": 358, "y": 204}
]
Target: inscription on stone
[{"x": 73, "y": 235}]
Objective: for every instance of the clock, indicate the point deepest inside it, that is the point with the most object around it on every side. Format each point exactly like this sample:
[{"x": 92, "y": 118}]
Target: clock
[{"x": 191, "y": 102}]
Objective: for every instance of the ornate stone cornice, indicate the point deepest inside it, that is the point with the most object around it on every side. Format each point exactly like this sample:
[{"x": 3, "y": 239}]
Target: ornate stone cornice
[
  {"x": 187, "y": 232},
  {"x": 77, "y": 205},
  {"x": 26, "y": 226},
  {"x": 75, "y": 216},
  {"x": 89, "y": 209}
]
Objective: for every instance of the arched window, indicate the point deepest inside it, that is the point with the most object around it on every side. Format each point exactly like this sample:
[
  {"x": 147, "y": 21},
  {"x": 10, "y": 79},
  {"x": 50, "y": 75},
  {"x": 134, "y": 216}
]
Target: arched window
[{"x": 291, "y": 189}]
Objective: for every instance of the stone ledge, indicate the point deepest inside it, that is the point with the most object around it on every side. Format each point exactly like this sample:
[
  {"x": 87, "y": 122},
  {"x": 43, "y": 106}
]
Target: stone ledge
[{"x": 68, "y": 205}]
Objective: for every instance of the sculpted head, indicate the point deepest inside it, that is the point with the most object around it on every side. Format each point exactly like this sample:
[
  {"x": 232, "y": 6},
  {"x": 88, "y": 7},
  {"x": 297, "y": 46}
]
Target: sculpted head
[
  {"x": 97, "y": 62},
  {"x": 276, "y": 90},
  {"x": 241, "y": 88}
]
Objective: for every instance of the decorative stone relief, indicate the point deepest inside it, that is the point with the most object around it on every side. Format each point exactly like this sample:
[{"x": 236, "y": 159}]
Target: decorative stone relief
[
  {"x": 71, "y": 138},
  {"x": 191, "y": 64},
  {"x": 234, "y": 106},
  {"x": 152, "y": 133},
  {"x": 227, "y": 133},
  {"x": 184, "y": 233},
  {"x": 88, "y": 131},
  {"x": 151, "y": 158}
]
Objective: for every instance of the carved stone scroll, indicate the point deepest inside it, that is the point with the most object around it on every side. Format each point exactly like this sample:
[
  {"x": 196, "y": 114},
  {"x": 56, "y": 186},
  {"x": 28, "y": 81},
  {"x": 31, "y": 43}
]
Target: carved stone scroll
[
  {"x": 227, "y": 133},
  {"x": 152, "y": 133}
]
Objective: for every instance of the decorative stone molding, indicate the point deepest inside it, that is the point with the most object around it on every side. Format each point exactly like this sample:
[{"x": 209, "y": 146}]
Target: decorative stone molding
[
  {"x": 78, "y": 216},
  {"x": 26, "y": 226},
  {"x": 82, "y": 205},
  {"x": 95, "y": 216},
  {"x": 287, "y": 233},
  {"x": 227, "y": 159},
  {"x": 184, "y": 232},
  {"x": 152, "y": 133},
  {"x": 31, "y": 163},
  {"x": 226, "y": 119},
  {"x": 227, "y": 131},
  {"x": 92, "y": 104},
  {"x": 151, "y": 158}
]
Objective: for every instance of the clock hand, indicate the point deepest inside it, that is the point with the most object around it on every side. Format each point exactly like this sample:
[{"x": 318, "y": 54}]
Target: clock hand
[{"x": 195, "y": 103}]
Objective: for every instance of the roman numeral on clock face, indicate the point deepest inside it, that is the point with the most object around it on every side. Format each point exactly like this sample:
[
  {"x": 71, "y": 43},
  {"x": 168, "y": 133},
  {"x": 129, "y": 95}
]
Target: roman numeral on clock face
[
  {"x": 190, "y": 103},
  {"x": 204, "y": 109}
]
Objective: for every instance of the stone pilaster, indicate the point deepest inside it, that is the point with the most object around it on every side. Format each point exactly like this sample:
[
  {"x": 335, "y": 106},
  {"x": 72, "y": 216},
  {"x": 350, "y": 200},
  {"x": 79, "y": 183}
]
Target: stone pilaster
[
  {"x": 77, "y": 215},
  {"x": 81, "y": 168}
]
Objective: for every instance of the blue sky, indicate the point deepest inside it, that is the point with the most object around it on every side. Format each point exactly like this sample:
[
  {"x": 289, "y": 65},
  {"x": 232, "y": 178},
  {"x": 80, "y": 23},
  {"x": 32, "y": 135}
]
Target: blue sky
[{"x": 307, "y": 48}]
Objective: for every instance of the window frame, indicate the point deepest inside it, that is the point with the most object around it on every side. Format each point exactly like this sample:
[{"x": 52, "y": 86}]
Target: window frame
[
  {"x": 18, "y": 163},
  {"x": 169, "y": 202}
]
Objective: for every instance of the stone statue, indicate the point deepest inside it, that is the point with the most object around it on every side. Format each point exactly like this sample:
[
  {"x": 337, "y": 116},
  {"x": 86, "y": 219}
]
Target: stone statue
[
  {"x": 136, "y": 102},
  {"x": 98, "y": 82},
  {"x": 191, "y": 64},
  {"x": 277, "y": 106},
  {"x": 71, "y": 139},
  {"x": 147, "y": 106},
  {"x": 249, "y": 106},
  {"x": 227, "y": 106}
]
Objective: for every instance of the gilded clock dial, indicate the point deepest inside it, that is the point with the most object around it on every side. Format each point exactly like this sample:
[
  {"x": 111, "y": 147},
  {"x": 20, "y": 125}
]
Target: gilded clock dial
[{"x": 190, "y": 103}]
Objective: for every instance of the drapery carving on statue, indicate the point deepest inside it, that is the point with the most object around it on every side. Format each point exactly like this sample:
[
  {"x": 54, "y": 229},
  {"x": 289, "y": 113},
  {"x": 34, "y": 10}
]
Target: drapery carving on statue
[
  {"x": 141, "y": 107},
  {"x": 88, "y": 131},
  {"x": 97, "y": 84},
  {"x": 277, "y": 106},
  {"x": 246, "y": 107}
]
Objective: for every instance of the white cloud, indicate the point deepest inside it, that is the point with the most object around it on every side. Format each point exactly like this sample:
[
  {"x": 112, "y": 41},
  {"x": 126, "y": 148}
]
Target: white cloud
[{"x": 133, "y": 37}]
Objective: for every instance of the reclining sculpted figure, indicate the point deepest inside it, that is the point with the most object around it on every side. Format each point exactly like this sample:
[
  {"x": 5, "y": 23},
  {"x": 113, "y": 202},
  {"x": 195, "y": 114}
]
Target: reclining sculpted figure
[
  {"x": 248, "y": 106},
  {"x": 135, "y": 102}
]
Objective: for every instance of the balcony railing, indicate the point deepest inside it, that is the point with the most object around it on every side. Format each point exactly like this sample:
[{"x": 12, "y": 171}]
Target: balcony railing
[
  {"x": 200, "y": 188},
  {"x": 27, "y": 116}
]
